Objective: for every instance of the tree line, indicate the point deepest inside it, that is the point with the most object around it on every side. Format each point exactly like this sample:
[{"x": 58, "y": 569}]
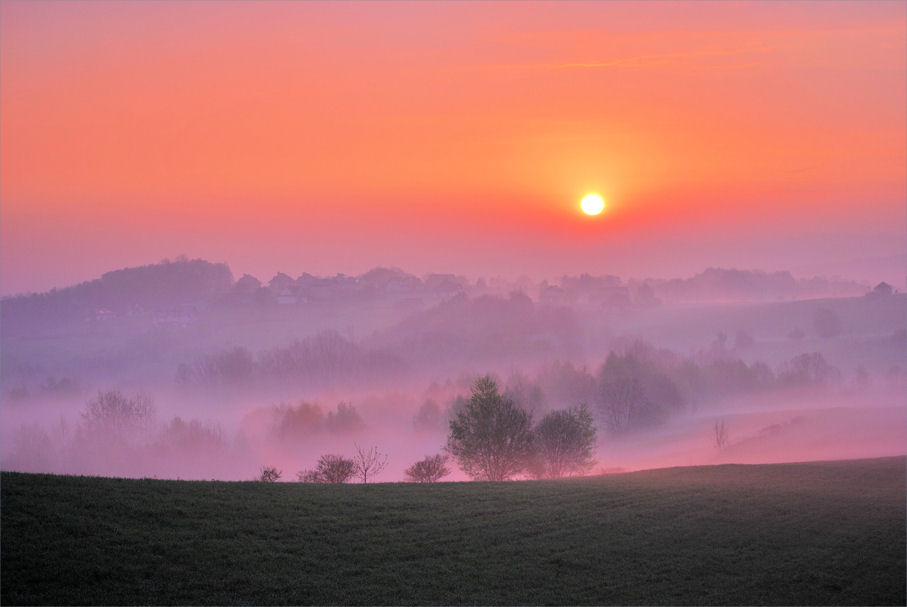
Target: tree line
[{"x": 491, "y": 438}]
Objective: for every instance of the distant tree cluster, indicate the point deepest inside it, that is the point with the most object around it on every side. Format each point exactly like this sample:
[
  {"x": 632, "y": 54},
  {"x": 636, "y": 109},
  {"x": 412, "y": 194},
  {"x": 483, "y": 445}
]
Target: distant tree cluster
[
  {"x": 323, "y": 359},
  {"x": 293, "y": 424},
  {"x": 117, "y": 433},
  {"x": 640, "y": 386}
]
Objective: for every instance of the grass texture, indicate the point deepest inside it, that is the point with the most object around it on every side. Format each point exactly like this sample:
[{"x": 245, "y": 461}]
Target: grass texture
[{"x": 821, "y": 533}]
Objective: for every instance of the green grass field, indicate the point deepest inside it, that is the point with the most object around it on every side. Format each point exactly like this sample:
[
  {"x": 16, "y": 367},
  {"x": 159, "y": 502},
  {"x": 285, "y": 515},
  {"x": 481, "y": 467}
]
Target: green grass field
[{"x": 809, "y": 533}]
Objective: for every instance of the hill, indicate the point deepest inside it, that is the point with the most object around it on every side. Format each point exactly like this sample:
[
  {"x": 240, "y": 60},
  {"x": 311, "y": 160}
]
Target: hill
[{"x": 822, "y": 533}]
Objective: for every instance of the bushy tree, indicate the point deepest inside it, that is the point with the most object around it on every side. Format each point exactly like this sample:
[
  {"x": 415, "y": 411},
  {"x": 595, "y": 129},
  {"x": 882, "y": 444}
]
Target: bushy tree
[
  {"x": 368, "y": 462},
  {"x": 345, "y": 420},
  {"x": 430, "y": 470},
  {"x": 330, "y": 469},
  {"x": 294, "y": 423},
  {"x": 189, "y": 437},
  {"x": 491, "y": 438},
  {"x": 428, "y": 418},
  {"x": 563, "y": 443}
]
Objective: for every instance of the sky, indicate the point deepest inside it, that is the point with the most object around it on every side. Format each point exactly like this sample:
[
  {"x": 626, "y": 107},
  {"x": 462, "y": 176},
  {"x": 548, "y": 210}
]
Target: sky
[{"x": 452, "y": 137}]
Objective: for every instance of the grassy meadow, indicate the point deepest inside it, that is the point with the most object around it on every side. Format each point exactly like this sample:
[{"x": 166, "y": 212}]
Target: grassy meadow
[{"x": 822, "y": 533}]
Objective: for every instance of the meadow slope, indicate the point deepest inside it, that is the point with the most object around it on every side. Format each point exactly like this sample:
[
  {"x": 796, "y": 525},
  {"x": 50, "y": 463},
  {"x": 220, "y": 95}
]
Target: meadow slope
[{"x": 820, "y": 533}]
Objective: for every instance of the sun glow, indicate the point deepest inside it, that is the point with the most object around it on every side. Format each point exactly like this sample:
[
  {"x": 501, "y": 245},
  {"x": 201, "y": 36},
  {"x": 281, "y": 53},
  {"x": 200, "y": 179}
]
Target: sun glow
[{"x": 592, "y": 204}]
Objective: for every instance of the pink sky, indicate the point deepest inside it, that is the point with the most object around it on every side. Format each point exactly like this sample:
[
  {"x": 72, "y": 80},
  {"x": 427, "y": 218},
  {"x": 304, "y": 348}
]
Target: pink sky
[{"x": 450, "y": 136}]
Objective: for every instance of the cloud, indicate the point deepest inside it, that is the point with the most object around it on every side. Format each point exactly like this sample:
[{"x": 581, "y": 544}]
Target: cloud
[{"x": 649, "y": 60}]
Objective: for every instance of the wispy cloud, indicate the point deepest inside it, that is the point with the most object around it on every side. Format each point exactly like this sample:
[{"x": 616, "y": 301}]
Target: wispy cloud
[{"x": 649, "y": 60}]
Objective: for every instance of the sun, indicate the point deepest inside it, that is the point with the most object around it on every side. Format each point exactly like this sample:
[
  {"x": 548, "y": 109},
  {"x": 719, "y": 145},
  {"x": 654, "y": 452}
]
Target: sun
[{"x": 592, "y": 204}]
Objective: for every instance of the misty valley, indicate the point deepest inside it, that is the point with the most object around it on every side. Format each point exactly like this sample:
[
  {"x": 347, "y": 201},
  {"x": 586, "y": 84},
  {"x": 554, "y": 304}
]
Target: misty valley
[
  {"x": 505, "y": 302},
  {"x": 178, "y": 370}
]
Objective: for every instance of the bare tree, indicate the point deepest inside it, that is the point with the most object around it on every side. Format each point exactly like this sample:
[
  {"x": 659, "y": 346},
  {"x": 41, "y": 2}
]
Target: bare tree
[
  {"x": 368, "y": 462},
  {"x": 619, "y": 399},
  {"x": 115, "y": 413},
  {"x": 309, "y": 476},
  {"x": 430, "y": 470},
  {"x": 720, "y": 434},
  {"x": 269, "y": 474}
]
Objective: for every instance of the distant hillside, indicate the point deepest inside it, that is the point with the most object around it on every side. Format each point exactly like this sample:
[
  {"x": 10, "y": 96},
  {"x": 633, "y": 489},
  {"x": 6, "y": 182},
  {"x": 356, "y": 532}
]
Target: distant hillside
[
  {"x": 465, "y": 330},
  {"x": 179, "y": 291},
  {"x": 720, "y": 284},
  {"x": 118, "y": 292}
]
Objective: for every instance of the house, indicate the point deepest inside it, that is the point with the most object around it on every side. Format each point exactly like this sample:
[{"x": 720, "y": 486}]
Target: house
[
  {"x": 178, "y": 317},
  {"x": 102, "y": 314},
  {"x": 286, "y": 297}
]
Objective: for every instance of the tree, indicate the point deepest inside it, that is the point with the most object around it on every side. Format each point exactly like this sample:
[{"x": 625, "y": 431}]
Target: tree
[
  {"x": 428, "y": 418},
  {"x": 269, "y": 474},
  {"x": 430, "y": 470},
  {"x": 635, "y": 390},
  {"x": 620, "y": 396},
  {"x": 309, "y": 476},
  {"x": 491, "y": 438},
  {"x": 720, "y": 430},
  {"x": 345, "y": 421},
  {"x": 368, "y": 462},
  {"x": 807, "y": 369},
  {"x": 330, "y": 469},
  {"x": 883, "y": 290},
  {"x": 563, "y": 443},
  {"x": 294, "y": 423},
  {"x": 115, "y": 413}
]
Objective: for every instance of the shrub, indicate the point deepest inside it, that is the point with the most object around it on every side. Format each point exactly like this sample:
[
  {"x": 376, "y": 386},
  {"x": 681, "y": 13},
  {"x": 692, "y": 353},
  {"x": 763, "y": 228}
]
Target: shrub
[
  {"x": 430, "y": 470},
  {"x": 330, "y": 469},
  {"x": 269, "y": 474}
]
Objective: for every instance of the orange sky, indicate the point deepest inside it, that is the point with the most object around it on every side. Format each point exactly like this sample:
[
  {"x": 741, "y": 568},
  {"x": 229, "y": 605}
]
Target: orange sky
[{"x": 449, "y": 136}]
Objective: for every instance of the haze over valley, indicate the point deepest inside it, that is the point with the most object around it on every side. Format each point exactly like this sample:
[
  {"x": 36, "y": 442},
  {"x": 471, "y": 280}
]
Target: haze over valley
[{"x": 222, "y": 376}]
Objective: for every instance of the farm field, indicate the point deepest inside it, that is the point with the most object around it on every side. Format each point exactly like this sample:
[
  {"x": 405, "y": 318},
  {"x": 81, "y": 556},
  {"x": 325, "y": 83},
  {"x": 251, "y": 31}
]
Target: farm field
[{"x": 817, "y": 533}]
